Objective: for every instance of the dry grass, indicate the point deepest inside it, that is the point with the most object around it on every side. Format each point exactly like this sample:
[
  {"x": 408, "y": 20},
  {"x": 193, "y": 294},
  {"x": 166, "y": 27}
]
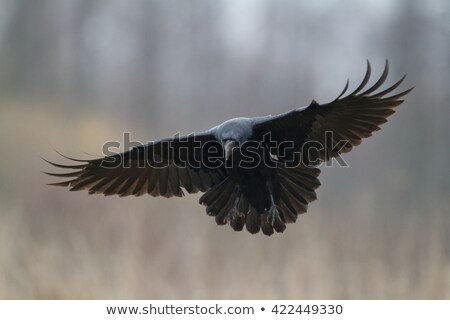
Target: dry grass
[{"x": 56, "y": 244}]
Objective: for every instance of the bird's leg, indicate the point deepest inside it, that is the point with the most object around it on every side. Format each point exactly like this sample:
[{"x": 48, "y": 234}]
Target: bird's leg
[
  {"x": 273, "y": 212},
  {"x": 234, "y": 210}
]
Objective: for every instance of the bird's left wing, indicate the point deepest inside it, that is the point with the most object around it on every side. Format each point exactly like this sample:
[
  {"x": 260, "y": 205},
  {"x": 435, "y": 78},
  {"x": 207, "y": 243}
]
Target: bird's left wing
[
  {"x": 160, "y": 168},
  {"x": 347, "y": 120}
]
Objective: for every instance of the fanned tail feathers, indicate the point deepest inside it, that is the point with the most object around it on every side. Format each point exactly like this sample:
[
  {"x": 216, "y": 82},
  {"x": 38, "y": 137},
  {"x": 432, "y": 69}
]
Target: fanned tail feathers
[{"x": 298, "y": 187}]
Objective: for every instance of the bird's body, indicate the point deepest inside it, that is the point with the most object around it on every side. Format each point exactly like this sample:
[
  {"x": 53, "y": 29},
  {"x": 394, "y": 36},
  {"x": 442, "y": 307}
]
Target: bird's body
[
  {"x": 252, "y": 177},
  {"x": 255, "y": 172}
]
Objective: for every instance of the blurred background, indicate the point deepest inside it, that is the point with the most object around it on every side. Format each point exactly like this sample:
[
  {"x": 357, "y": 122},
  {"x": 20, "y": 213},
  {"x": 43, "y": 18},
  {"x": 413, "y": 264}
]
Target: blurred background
[{"x": 75, "y": 74}]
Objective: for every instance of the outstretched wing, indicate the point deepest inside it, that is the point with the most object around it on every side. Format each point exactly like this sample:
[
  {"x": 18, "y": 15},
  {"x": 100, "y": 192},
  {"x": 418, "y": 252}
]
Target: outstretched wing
[
  {"x": 348, "y": 118},
  {"x": 159, "y": 169}
]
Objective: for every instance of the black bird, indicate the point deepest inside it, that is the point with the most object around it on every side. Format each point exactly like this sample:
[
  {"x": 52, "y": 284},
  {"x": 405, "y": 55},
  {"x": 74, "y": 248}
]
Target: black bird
[{"x": 255, "y": 171}]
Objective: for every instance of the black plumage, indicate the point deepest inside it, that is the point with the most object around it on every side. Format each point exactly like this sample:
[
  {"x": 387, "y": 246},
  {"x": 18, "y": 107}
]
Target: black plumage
[{"x": 255, "y": 172}]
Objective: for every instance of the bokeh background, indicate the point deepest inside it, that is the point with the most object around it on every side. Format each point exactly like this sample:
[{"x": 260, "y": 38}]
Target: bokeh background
[{"x": 75, "y": 74}]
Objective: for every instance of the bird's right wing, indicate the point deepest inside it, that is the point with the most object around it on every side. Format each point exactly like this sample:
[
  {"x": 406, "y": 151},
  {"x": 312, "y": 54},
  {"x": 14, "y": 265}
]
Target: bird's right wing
[{"x": 159, "y": 169}]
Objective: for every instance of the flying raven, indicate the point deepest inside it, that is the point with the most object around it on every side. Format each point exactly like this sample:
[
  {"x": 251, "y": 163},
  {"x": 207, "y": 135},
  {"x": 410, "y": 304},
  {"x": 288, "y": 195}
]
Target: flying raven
[{"x": 258, "y": 172}]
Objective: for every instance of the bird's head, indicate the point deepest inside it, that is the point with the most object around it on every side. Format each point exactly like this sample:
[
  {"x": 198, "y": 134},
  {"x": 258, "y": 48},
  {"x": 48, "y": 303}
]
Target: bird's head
[{"x": 233, "y": 133}]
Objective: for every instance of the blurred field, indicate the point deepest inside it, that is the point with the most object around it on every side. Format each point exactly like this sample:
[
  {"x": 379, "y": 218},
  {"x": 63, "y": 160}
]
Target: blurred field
[
  {"x": 379, "y": 229},
  {"x": 56, "y": 244}
]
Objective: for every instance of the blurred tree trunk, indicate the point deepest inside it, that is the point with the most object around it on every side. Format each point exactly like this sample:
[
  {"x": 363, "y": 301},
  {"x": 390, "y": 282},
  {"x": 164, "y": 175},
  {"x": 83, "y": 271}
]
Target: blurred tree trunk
[{"x": 417, "y": 47}]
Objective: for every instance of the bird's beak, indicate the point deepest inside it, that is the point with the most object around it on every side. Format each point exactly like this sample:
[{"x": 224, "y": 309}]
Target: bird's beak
[{"x": 229, "y": 146}]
